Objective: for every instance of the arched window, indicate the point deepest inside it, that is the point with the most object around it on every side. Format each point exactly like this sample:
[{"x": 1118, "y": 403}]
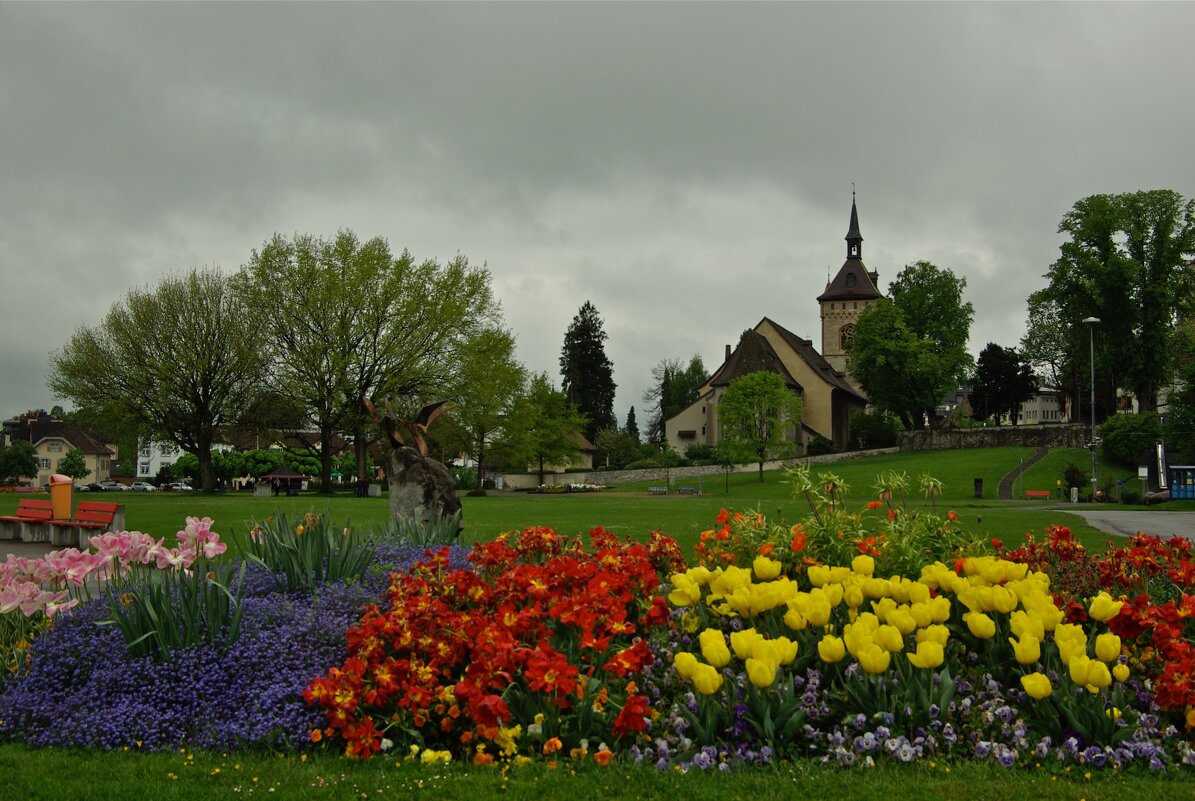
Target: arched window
[{"x": 845, "y": 335}]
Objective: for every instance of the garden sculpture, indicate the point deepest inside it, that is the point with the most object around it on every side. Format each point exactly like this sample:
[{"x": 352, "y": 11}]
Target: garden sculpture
[{"x": 420, "y": 487}]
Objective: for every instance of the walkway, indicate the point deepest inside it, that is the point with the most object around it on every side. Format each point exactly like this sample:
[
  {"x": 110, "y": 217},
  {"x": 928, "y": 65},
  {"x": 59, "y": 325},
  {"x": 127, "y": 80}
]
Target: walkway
[
  {"x": 1004, "y": 493},
  {"x": 1126, "y": 523}
]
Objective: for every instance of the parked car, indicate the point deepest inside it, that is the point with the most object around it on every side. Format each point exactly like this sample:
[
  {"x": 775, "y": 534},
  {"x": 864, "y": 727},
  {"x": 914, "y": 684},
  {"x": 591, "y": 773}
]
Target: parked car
[
  {"x": 94, "y": 487},
  {"x": 179, "y": 486},
  {"x": 82, "y": 488},
  {"x": 143, "y": 486},
  {"x": 113, "y": 486}
]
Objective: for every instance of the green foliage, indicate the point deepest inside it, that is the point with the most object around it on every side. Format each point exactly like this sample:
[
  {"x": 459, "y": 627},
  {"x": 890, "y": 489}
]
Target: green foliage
[
  {"x": 1075, "y": 476},
  {"x": 158, "y": 614},
  {"x": 17, "y": 461},
  {"x": 615, "y": 448},
  {"x": 542, "y": 427},
  {"x": 464, "y": 478},
  {"x": 175, "y": 360},
  {"x": 756, "y": 412},
  {"x": 1003, "y": 381},
  {"x": 642, "y": 464},
  {"x": 873, "y": 430},
  {"x": 674, "y": 386},
  {"x": 632, "y": 426},
  {"x": 819, "y": 446},
  {"x": 586, "y": 372},
  {"x": 700, "y": 452},
  {"x": 303, "y": 555},
  {"x": 1125, "y": 263},
  {"x": 1127, "y": 436},
  {"x": 17, "y": 632},
  {"x": 443, "y": 529},
  {"x": 909, "y": 350},
  {"x": 73, "y": 464}
]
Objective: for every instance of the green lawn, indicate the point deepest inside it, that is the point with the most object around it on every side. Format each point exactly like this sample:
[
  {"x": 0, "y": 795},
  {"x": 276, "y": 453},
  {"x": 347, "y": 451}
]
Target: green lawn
[
  {"x": 65, "y": 775},
  {"x": 628, "y": 510}
]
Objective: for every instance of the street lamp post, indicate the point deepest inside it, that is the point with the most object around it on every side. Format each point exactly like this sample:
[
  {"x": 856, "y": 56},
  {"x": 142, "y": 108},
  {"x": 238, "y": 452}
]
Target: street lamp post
[{"x": 1091, "y": 322}]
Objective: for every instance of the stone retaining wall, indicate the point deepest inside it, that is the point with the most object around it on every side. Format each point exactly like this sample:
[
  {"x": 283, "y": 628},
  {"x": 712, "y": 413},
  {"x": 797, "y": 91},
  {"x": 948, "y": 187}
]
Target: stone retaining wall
[
  {"x": 1032, "y": 436},
  {"x": 679, "y": 476}
]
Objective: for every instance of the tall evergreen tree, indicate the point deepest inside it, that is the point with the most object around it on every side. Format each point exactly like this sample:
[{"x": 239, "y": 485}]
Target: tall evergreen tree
[
  {"x": 632, "y": 427},
  {"x": 588, "y": 376}
]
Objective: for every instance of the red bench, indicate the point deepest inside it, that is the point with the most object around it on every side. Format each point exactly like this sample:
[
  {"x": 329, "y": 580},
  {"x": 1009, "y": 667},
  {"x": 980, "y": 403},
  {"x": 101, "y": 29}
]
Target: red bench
[
  {"x": 91, "y": 517},
  {"x": 30, "y": 523},
  {"x": 1037, "y": 494}
]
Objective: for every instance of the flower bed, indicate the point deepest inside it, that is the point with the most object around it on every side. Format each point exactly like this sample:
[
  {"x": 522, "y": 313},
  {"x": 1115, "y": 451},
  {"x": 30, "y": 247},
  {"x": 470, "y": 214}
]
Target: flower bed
[{"x": 848, "y": 638}]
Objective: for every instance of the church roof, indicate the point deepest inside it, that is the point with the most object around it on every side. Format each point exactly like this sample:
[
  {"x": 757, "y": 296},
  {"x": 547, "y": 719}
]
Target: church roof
[
  {"x": 853, "y": 282},
  {"x": 822, "y": 368},
  {"x": 752, "y": 355}
]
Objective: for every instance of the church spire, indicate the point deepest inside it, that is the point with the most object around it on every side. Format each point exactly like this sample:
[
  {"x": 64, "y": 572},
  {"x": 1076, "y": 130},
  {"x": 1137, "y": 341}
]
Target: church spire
[{"x": 854, "y": 239}]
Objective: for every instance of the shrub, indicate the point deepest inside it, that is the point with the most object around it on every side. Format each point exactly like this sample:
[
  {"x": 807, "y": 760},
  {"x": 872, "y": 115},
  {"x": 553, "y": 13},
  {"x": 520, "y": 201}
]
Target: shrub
[
  {"x": 819, "y": 445},
  {"x": 1127, "y": 436},
  {"x": 464, "y": 478},
  {"x": 876, "y": 430},
  {"x": 642, "y": 464},
  {"x": 700, "y": 452},
  {"x": 1075, "y": 476}
]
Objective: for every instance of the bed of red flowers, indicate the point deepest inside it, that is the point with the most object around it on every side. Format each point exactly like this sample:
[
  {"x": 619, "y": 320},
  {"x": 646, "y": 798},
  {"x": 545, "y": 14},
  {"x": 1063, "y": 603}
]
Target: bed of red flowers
[
  {"x": 544, "y": 629},
  {"x": 1157, "y": 622}
]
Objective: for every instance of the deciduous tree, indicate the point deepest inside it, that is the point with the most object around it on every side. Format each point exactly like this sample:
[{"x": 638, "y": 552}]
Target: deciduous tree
[
  {"x": 756, "y": 412},
  {"x": 674, "y": 386},
  {"x": 17, "y": 461},
  {"x": 179, "y": 360},
  {"x": 1003, "y": 381},
  {"x": 74, "y": 464},
  {"x": 542, "y": 427}
]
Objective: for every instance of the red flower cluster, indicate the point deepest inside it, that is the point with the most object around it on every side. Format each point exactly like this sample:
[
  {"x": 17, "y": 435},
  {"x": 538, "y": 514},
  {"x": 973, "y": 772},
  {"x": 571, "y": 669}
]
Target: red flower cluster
[{"x": 543, "y": 625}]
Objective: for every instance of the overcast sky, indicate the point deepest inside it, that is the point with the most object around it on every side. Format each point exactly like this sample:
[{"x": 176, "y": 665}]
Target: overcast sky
[{"x": 687, "y": 168}]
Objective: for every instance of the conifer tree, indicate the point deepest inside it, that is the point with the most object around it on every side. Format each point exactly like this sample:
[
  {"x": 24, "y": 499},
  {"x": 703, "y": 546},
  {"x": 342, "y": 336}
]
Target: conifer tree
[
  {"x": 632, "y": 426},
  {"x": 588, "y": 376}
]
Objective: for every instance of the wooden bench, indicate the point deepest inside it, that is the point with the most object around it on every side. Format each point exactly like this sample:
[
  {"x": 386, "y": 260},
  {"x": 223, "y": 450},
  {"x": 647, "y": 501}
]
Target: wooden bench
[
  {"x": 1037, "y": 494},
  {"x": 91, "y": 517},
  {"x": 688, "y": 490},
  {"x": 657, "y": 490},
  {"x": 30, "y": 523}
]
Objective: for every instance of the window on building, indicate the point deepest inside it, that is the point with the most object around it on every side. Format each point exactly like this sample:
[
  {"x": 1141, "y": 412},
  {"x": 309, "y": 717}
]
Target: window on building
[
  {"x": 43, "y": 463},
  {"x": 55, "y": 447},
  {"x": 145, "y": 451},
  {"x": 143, "y": 469},
  {"x": 167, "y": 450}
]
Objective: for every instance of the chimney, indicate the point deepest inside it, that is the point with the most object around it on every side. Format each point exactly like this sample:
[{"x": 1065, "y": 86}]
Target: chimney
[{"x": 728, "y": 353}]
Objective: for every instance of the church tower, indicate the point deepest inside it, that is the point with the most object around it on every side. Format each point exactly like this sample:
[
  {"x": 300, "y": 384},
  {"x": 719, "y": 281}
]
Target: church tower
[{"x": 845, "y": 298}]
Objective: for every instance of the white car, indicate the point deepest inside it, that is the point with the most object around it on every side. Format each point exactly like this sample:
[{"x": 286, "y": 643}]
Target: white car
[
  {"x": 143, "y": 486},
  {"x": 178, "y": 486},
  {"x": 114, "y": 486}
]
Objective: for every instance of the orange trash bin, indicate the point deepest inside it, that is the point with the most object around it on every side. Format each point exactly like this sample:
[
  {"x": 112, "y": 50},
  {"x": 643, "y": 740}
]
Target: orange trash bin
[{"x": 61, "y": 488}]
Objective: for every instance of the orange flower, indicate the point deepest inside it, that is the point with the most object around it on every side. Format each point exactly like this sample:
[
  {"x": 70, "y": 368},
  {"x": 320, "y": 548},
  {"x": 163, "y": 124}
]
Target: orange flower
[
  {"x": 766, "y": 549},
  {"x": 553, "y": 745},
  {"x": 874, "y": 504},
  {"x": 723, "y": 516},
  {"x": 603, "y": 757},
  {"x": 316, "y": 735},
  {"x": 799, "y": 541},
  {"x": 891, "y": 514},
  {"x": 952, "y": 516},
  {"x": 482, "y": 758}
]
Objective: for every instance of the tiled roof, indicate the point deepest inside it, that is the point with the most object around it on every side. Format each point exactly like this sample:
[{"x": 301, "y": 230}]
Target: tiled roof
[
  {"x": 804, "y": 348},
  {"x": 853, "y": 282},
  {"x": 753, "y": 354}
]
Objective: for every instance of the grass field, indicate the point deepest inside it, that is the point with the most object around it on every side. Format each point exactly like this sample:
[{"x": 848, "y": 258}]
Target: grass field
[
  {"x": 64, "y": 775},
  {"x": 628, "y": 510}
]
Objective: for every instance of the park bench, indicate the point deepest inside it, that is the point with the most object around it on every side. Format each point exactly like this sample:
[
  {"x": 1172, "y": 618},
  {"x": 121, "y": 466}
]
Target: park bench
[
  {"x": 1037, "y": 494},
  {"x": 30, "y": 523},
  {"x": 91, "y": 517},
  {"x": 687, "y": 490},
  {"x": 657, "y": 490}
]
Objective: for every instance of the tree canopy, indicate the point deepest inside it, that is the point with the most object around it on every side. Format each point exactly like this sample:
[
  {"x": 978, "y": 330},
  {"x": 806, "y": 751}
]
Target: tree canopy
[
  {"x": 909, "y": 350},
  {"x": 542, "y": 427},
  {"x": 1125, "y": 262},
  {"x": 588, "y": 376},
  {"x": 74, "y": 464},
  {"x": 17, "y": 461},
  {"x": 1003, "y": 381},
  {"x": 755, "y": 413},
  {"x": 674, "y": 386},
  {"x": 345, "y": 320},
  {"x": 178, "y": 360}
]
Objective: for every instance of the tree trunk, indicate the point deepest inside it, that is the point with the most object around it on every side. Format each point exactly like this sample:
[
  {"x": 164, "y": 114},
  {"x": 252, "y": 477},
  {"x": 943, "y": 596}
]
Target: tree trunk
[
  {"x": 325, "y": 460},
  {"x": 541, "y": 470},
  {"x": 361, "y": 447},
  {"x": 480, "y": 454},
  {"x": 207, "y": 474}
]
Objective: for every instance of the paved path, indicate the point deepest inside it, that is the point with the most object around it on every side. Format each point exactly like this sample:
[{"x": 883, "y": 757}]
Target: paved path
[
  {"x": 1127, "y": 523},
  {"x": 1004, "y": 491}
]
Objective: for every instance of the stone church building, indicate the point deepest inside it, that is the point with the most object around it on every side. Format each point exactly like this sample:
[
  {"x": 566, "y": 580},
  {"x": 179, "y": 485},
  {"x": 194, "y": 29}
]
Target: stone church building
[{"x": 830, "y": 395}]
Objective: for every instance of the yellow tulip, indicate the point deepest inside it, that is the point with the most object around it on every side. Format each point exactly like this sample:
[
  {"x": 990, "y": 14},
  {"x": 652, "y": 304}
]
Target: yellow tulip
[
  {"x": 1098, "y": 675},
  {"x": 935, "y": 633},
  {"x": 685, "y": 663},
  {"x": 918, "y": 592},
  {"x": 784, "y": 649},
  {"x": 1037, "y": 685},
  {"x": 1121, "y": 672},
  {"x": 874, "y": 659},
  {"x": 713, "y": 648},
  {"x": 939, "y": 609},
  {"x": 766, "y": 569},
  {"x": 889, "y": 638},
  {"x": 1003, "y": 600},
  {"x": 819, "y": 575},
  {"x": 1107, "y": 647},
  {"x": 876, "y": 588},
  {"x": 707, "y": 679},
  {"x": 863, "y": 564},
  {"x": 684, "y": 591},
  {"x": 762, "y": 673},
  {"x": 1027, "y": 649},
  {"x": 980, "y": 625},
  {"x": 1022, "y": 623},
  {"x": 1103, "y": 608},
  {"x": 903, "y": 619},
  {"x": 853, "y": 595},
  {"x": 928, "y": 655},
  {"x": 795, "y": 620},
  {"x": 817, "y": 610},
  {"x": 831, "y": 649},
  {"x": 744, "y": 643}
]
